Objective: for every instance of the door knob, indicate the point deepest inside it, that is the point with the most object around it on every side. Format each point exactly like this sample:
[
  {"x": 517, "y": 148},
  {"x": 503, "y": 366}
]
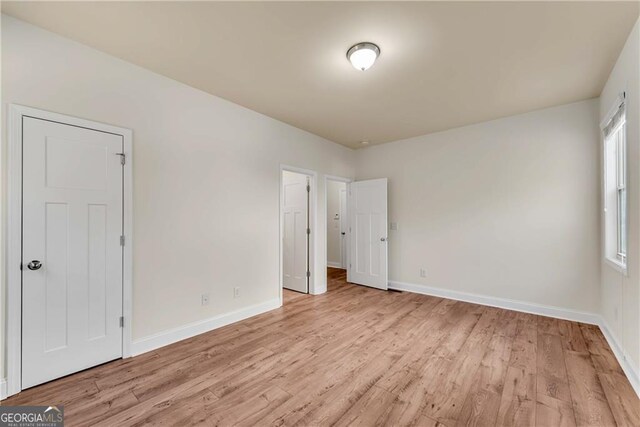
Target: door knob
[
  {"x": 34, "y": 265},
  {"x": 383, "y": 239}
]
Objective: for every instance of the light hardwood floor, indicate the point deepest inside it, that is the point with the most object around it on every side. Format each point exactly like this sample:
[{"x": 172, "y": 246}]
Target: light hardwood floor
[{"x": 364, "y": 357}]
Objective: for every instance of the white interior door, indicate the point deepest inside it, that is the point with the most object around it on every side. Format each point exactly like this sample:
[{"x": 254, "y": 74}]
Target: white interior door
[
  {"x": 368, "y": 225},
  {"x": 344, "y": 221},
  {"x": 71, "y": 253},
  {"x": 295, "y": 193}
]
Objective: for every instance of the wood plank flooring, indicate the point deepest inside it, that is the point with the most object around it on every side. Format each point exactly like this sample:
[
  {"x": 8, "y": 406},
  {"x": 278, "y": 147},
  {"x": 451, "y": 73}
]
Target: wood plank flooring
[{"x": 360, "y": 356}]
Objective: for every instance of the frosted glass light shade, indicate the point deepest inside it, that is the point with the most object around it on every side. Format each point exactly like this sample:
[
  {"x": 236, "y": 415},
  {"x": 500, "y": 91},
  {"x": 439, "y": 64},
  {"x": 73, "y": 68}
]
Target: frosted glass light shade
[{"x": 363, "y": 55}]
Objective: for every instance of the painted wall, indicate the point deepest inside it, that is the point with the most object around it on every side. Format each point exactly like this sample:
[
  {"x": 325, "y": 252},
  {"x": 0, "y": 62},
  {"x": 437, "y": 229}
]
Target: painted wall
[
  {"x": 507, "y": 208},
  {"x": 334, "y": 238},
  {"x": 620, "y": 294},
  {"x": 206, "y": 175}
]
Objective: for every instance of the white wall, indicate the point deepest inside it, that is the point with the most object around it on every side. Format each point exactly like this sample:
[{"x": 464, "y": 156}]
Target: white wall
[
  {"x": 620, "y": 294},
  {"x": 507, "y": 208},
  {"x": 206, "y": 175},
  {"x": 334, "y": 238}
]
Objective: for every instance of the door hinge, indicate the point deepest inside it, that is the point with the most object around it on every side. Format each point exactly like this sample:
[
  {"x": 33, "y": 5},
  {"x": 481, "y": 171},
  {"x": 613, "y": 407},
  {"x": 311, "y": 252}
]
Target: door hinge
[
  {"x": 20, "y": 266},
  {"x": 121, "y": 240},
  {"x": 122, "y": 321},
  {"x": 308, "y": 188},
  {"x": 308, "y": 274},
  {"x": 123, "y": 158},
  {"x": 308, "y": 231}
]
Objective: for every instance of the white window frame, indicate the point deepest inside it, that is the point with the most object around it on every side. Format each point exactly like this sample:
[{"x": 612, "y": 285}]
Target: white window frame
[
  {"x": 621, "y": 192},
  {"x": 617, "y": 136}
]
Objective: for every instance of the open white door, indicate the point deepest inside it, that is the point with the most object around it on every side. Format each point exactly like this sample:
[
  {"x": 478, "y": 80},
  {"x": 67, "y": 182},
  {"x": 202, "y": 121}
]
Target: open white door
[
  {"x": 295, "y": 199},
  {"x": 72, "y": 254},
  {"x": 368, "y": 226}
]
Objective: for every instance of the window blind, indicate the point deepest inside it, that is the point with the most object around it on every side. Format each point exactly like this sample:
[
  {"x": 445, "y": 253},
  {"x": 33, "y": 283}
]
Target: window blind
[{"x": 615, "y": 118}]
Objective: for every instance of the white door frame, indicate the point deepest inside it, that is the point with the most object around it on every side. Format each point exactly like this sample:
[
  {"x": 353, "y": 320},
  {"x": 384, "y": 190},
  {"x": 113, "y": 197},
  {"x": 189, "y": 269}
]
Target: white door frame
[
  {"x": 14, "y": 240},
  {"x": 313, "y": 175},
  {"x": 326, "y": 223}
]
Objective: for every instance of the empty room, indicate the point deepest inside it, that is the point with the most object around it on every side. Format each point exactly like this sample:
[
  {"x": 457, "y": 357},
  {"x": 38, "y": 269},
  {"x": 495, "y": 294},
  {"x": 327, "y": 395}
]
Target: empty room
[{"x": 320, "y": 213}]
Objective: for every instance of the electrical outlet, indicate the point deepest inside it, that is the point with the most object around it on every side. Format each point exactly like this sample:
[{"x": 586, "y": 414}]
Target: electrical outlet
[
  {"x": 236, "y": 292},
  {"x": 393, "y": 226},
  {"x": 423, "y": 272},
  {"x": 205, "y": 299}
]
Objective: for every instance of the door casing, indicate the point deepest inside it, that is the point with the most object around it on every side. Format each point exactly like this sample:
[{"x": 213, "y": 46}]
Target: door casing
[{"x": 14, "y": 238}]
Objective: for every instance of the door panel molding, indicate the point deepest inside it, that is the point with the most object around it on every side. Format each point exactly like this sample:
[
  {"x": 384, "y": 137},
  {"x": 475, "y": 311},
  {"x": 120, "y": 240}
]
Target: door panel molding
[{"x": 14, "y": 239}]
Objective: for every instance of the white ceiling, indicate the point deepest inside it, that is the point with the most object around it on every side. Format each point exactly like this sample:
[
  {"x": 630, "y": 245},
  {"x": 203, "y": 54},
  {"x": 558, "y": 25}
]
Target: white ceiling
[{"x": 442, "y": 65}]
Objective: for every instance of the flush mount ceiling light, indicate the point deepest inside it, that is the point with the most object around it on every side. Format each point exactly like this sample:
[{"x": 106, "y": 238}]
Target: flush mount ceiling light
[{"x": 363, "y": 55}]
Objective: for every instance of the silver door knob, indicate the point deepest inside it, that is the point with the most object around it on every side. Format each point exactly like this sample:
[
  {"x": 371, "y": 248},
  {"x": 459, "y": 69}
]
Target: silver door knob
[
  {"x": 34, "y": 265},
  {"x": 383, "y": 239}
]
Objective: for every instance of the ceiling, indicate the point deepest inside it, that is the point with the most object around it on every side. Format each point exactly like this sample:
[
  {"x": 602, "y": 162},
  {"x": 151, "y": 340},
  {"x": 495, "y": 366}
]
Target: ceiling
[{"x": 442, "y": 64}]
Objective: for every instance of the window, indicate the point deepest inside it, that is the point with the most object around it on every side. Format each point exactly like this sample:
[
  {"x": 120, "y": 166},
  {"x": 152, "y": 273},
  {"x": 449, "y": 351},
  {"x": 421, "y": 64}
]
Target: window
[{"x": 615, "y": 189}]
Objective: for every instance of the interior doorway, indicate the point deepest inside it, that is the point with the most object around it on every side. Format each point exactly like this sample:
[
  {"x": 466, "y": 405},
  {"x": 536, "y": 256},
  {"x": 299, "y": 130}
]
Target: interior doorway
[
  {"x": 296, "y": 219},
  {"x": 337, "y": 230},
  {"x": 337, "y": 221}
]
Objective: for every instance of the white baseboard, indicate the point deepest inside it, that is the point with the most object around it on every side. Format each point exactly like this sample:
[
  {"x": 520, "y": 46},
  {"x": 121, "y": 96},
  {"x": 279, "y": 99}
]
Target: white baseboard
[
  {"x": 334, "y": 265},
  {"x": 180, "y": 333},
  {"x": 3, "y": 388},
  {"x": 509, "y": 304},
  {"x": 630, "y": 371},
  {"x": 539, "y": 309}
]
